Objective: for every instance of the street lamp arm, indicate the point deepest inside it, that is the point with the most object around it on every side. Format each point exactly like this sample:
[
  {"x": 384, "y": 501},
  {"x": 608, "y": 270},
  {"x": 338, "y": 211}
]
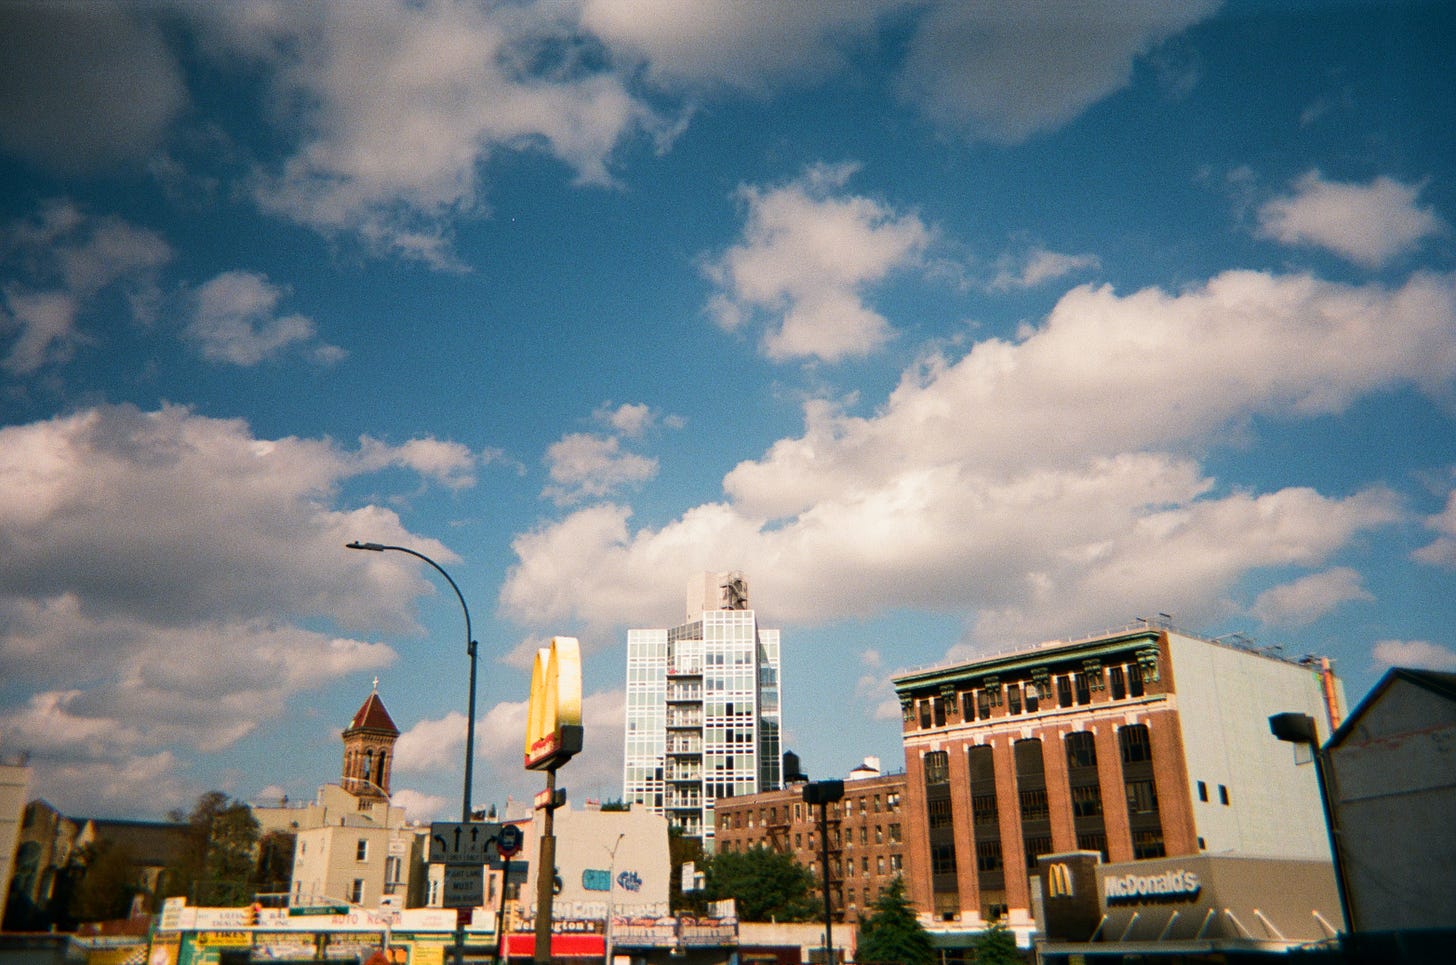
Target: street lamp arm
[
  {"x": 470, "y": 648},
  {"x": 381, "y": 547}
]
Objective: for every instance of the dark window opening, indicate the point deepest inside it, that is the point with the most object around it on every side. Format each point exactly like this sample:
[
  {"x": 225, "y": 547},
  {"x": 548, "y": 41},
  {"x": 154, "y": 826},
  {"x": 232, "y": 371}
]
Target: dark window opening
[
  {"x": 1084, "y": 692},
  {"x": 1064, "y": 691},
  {"x": 1013, "y": 700},
  {"x": 1119, "y": 685},
  {"x": 1203, "y": 792},
  {"x": 1136, "y": 745},
  {"x": 1223, "y": 797},
  {"x": 937, "y": 767}
]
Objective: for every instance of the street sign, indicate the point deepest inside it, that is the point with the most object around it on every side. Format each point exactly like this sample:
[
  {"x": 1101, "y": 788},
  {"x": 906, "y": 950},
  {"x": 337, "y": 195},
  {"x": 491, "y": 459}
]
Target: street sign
[
  {"x": 464, "y": 886},
  {"x": 509, "y": 840},
  {"x": 297, "y": 910},
  {"x": 467, "y": 843}
]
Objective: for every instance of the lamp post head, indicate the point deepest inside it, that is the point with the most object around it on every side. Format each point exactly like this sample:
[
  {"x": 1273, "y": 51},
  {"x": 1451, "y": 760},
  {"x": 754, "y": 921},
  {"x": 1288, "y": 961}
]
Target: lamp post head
[{"x": 372, "y": 547}]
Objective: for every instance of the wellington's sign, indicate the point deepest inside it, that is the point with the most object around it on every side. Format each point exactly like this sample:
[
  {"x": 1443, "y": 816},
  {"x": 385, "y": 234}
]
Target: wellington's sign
[{"x": 553, "y": 722}]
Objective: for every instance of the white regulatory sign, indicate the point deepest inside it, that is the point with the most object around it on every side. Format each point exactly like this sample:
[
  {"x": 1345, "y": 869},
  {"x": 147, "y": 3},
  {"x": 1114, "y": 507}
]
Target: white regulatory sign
[{"x": 464, "y": 886}]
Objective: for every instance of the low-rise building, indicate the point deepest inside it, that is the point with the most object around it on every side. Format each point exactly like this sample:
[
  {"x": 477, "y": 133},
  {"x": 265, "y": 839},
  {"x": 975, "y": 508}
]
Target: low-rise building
[
  {"x": 1139, "y": 744},
  {"x": 866, "y": 834}
]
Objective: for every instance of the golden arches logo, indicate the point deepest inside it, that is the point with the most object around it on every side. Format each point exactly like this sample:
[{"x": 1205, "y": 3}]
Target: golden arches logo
[
  {"x": 553, "y": 722},
  {"x": 1059, "y": 881}
]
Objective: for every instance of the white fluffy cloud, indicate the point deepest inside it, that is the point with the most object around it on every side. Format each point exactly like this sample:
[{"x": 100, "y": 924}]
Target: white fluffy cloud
[
  {"x": 1414, "y": 653},
  {"x": 806, "y": 258},
  {"x": 1004, "y": 71},
  {"x": 235, "y": 320},
  {"x": 107, "y": 577},
  {"x": 1037, "y": 267},
  {"x": 402, "y": 102},
  {"x": 586, "y": 466},
  {"x": 59, "y": 261},
  {"x": 1442, "y": 551},
  {"x": 734, "y": 43},
  {"x": 1308, "y": 598},
  {"x": 1026, "y": 484},
  {"x": 1369, "y": 224}
]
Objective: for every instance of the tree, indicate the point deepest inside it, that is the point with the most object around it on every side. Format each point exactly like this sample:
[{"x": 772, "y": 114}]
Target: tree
[
  {"x": 997, "y": 946},
  {"x": 768, "y": 886},
  {"x": 892, "y": 932},
  {"x": 217, "y": 865},
  {"x": 107, "y": 884},
  {"x": 682, "y": 848},
  {"x": 275, "y": 861}
]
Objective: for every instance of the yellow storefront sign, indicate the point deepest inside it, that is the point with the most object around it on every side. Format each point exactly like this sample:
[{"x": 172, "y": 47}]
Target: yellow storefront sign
[{"x": 224, "y": 939}]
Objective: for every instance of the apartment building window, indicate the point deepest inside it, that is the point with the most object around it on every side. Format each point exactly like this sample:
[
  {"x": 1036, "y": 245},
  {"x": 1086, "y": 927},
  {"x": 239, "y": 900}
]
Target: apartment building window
[
  {"x": 938, "y": 706},
  {"x": 939, "y": 814},
  {"x": 1086, "y": 800},
  {"x": 894, "y": 834},
  {"x": 1081, "y": 750},
  {"x": 942, "y": 859},
  {"x": 896, "y": 862},
  {"x": 1147, "y": 844},
  {"x": 1084, "y": 691},
  {"x": 1119, "y": 685},
  {"x": 1034, "y": 804},
  {"x": 356, "y": 891},
  {"x": 1136, "y": 745},
  {"x": 1223, "y": 797},
  {"x": 1203, "y": 792},
  {"x": 937, "y": 767},
  {"x": 925, "y": 715},
  {"x": 877, "y": 804},
  {"x": 361, "y": 850},
  {"x": 879, "y": 864},
  {"x": 983, "y": 704},
  {"x": 968, "y": 705},
  {"x": 1134, "y": 680},
  {"x": 988, "y": 856},
  {"x": 1013, "y": 699},
  {"x": 1064, "y": 691},
  {"x": 1035, "y": 847},
  {"x": 864, "y": 831},
  {"x": 1142, "y": 797},
  {"x": 1093, "y": 841}
]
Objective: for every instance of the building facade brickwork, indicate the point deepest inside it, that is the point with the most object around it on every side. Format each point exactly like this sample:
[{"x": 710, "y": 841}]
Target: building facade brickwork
[
  {"x": 1140, "y": 744},
  {"x": 866, "y": 836}
]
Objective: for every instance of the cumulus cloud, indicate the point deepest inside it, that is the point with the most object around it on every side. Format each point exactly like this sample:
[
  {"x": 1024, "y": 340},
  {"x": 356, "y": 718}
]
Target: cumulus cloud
[
  {"x": 1441, "y": 552},
  {"x": 1369, "y": 224},
  {"x": 130, "y": 537},
  {"x": 84, "y": 85},
  {"x": 1035, "y": 485},
  {"x": 1421, "y": 654},
  {"x": 235, "y": 320},
  {"x": 1004, "y": 72},
  {"x": 1037, "y": 267},
  {"x": 1308, "y": 598},
  {"x": 58, "y": 262},
  {"x": 586, "y": 466},
  {"x": 401, "y": 103},
  {"x": 732, "y": 43},
  {"x": 807, "y": 256}
]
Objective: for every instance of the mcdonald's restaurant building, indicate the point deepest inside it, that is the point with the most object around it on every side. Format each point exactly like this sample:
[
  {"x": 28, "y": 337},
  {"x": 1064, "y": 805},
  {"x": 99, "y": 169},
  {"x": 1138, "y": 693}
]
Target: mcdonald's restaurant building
[
  {"x": 1191, "y": 908},
  {"x": 1144, "y": 746}
]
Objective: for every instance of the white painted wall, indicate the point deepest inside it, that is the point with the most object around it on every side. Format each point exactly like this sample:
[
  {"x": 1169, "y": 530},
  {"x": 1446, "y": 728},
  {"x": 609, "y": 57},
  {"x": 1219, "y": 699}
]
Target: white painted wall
[{"x": 1225, "y": 697}]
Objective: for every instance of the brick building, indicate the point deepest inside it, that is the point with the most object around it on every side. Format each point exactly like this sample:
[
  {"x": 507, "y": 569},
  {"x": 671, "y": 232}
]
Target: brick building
[
  {"x": 1139, "y": 744},
  {"x": 866, "y": 835}
]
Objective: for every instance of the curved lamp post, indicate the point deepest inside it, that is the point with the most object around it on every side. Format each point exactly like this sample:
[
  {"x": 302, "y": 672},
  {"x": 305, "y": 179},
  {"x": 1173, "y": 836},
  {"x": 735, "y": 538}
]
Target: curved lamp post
[{"x": 470, "y": 646}]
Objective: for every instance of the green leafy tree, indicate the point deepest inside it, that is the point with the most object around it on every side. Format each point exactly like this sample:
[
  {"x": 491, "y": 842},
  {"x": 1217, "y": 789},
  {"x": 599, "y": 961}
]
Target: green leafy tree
[
  {"x": 105, "y": 888},
  {"x": 768, "y": 886},
  {"x": 275, "y": 861},
  {"x": 217, "y": 865},
  {"x": 997, "y": 946},
  {"x": 682, "y": 848},
  {"x": 892, "y": 932}
]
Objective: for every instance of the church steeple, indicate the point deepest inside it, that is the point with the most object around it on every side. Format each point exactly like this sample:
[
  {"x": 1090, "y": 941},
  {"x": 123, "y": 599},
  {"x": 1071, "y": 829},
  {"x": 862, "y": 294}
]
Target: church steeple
[{"x": 369, "y": 749}]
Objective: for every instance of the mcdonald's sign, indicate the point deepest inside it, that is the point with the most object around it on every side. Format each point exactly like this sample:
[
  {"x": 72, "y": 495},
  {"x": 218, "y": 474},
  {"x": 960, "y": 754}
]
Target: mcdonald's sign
[
  {"x": 553, "y": 722},
  {"x": 1059, "y": 881}
]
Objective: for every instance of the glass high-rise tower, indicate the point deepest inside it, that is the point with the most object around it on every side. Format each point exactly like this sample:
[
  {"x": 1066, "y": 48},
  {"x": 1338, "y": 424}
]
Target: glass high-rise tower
[{"x": 703, "y": 707}]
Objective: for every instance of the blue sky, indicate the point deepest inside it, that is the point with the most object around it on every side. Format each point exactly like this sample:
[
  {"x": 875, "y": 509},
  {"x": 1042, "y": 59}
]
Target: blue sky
[{"x": 958, "y": 326}]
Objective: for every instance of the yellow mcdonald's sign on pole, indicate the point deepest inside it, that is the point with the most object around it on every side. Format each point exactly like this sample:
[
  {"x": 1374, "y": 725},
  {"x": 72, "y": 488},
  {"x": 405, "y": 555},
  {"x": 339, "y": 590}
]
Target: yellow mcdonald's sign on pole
[
  {"x": 1059, "y": 881},
  {"x": 553, "y": 722}
]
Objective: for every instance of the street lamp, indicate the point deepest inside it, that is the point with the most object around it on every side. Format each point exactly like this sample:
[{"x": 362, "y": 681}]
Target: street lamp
[
  {"x": 469, "y": 649},
  {"x": 1299, "y": 729},
  {"x": 824, "y": 793},
  {"x": 611, "y": 883}
]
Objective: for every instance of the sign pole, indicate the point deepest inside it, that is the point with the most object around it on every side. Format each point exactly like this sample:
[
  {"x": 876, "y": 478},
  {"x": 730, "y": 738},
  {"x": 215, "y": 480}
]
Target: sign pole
[{"x": 546, "y": 873}]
